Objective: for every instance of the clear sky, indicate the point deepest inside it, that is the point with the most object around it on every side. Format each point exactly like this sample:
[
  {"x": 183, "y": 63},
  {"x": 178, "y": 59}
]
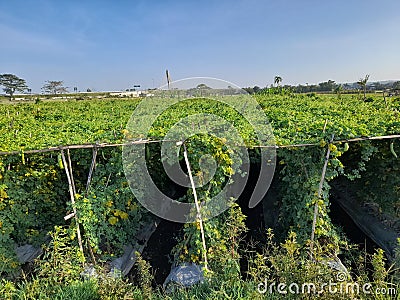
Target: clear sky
[{"x": 112, "y": 45}]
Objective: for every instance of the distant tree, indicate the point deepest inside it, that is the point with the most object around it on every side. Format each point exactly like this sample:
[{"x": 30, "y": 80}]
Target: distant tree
[
  {"x": 377, "y": 86},
  {"x": 327, "y": 86},
  {"x": 54, "y": 87},
  {"x": 204, "y": 86},
  {"x": 249, "y": 90},
  {"x": 252, "y": 90},
  {"x": 277, "y": 80},
  {"x": 396, "y": 85},
  {"x": 12, "y": 83},
  {"x": 363, "y": 83},
  {"x": 202, "y": 89},
  {"x": 346, "y": 86},
  {"x": 338, "y": 90}
]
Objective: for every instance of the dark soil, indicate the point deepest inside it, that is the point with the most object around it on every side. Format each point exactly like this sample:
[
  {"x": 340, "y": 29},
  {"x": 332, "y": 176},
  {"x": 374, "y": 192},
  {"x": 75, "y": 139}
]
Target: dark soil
[
  {"x": 356, "y": 236},
  {"x": 158, "y": 249}
]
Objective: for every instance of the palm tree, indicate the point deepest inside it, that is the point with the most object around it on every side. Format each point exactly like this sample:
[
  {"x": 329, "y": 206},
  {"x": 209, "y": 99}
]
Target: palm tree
[
  {"x": 363, "y": 83},
  {"x": 277, "y": 80}
]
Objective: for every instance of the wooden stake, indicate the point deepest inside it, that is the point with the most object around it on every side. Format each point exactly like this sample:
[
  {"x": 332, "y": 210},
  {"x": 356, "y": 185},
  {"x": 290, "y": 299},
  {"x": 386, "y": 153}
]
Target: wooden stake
[
  {"x": 203, "y": 239},
  {"x": 321, "y": 184},
  {"x": 72, "y": 195},
  {"x": 69, "y": 216},
  {"x": 70, "y": 172},
  {"x": 326, "y": 123},
  {"x": 93, "y": 165}
]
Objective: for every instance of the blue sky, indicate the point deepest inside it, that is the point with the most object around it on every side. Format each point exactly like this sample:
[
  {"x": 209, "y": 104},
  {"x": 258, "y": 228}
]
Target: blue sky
[{"x": 112, "y": 45}]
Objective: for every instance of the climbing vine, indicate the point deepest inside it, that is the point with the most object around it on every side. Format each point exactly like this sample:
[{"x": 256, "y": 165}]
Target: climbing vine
[{"x": 34, "y": 190}]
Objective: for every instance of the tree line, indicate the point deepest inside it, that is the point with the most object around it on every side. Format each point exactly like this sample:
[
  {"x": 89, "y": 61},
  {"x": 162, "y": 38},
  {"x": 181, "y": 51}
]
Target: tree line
[
  {"x": 12, "y": 84},
  {"x": 330, "y": 86}
]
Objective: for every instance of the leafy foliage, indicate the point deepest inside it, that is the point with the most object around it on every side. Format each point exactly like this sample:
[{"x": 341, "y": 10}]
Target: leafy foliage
[
  {"x": 54, "y": 87},
  {"x": 34, "y": 195},
  {"x": 12, "y": 84}
]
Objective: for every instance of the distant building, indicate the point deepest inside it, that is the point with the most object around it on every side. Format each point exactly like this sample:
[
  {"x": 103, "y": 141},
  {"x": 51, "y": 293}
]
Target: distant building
[{"x": 132, "y": 94}]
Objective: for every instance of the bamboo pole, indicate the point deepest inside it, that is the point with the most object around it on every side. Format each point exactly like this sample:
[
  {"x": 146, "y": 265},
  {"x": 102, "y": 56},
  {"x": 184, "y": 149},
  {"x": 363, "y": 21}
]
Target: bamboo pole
[
  {"x": 203, "y": 239},
  {"x": 84, "y": 146},
  {"x": 71, "y": 174},
  {"x": 321, "y": 184},
  {"x": 104, "y": 145},
  {"x": 72, "y": 195},
  {"x": 92, "y": 166},
  {"x": 326, "y": 123}
]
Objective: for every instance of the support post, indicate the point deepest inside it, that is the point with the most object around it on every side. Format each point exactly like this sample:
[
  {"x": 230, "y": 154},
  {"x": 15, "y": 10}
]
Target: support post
[
  {"x": 321, "y": 184},
  {"x": 71, "y": 186},
  {"x": 203, "y": 239}
]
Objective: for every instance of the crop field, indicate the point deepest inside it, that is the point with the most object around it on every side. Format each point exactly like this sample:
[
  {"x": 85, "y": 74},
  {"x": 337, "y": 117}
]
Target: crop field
[
  {"x": 43, "y": 143},
  {"x": 294, "y": 119}
]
